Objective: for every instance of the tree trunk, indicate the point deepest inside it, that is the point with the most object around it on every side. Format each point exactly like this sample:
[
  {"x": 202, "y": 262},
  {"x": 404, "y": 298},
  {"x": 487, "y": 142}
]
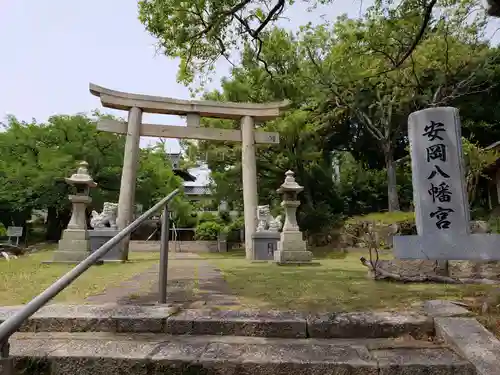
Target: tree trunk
[
  {"x": 56, "y": 222},
  {"x": 392, "y": 186}
]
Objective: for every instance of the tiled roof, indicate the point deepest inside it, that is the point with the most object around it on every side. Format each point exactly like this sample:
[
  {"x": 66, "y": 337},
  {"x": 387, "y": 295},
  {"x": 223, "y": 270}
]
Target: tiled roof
[{"x": 196, "y": 190}]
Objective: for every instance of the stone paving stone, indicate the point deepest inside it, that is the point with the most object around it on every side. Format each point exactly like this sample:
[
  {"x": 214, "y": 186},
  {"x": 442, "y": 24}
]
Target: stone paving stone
[
  {"x": 295, "y": 358},
  {"x": 473, "y": 341},
  {"x": 185, "y": 270},
  {"x": 31, "y": 356},
  {"x": 96, "y": 357},
  {"x": 369, "y": 325},
  {"x": 445, "y": 308},
  {"x": 138, "y": 354},
  {"x": 141, "y": 318},
  {"x": 435, "y": 361},
  {"x": 102, "y": 318},
  {"x": 178, "y": 357},
  {"x": 237, "y": 323}
]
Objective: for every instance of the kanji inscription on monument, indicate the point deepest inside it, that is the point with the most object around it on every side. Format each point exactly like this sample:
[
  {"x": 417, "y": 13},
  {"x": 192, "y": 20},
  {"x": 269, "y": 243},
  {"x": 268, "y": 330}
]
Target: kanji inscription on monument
[{"x": 439, "y": 193}]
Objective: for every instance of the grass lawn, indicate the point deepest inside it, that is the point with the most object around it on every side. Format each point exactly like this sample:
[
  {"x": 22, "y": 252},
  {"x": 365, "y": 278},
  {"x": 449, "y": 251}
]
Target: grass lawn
[
  {"x": 23, "y": 278},
  {"x": 337, "y": 285}
]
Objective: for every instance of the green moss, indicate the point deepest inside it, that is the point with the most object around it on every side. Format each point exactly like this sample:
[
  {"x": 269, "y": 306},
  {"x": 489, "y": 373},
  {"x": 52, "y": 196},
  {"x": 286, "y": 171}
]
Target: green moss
[{"x": 384, "y": 217}]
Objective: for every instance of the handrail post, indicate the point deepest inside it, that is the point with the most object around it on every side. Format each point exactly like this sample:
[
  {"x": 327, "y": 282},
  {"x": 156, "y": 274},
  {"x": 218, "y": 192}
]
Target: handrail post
[
  {"x": 162, "y": 282},
  {"x": 6, "y": 362},
  {"x": 4, "y": 349},
  {"x": 14, "y": 322}
]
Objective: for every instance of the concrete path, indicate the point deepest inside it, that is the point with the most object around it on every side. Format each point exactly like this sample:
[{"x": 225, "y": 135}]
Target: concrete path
[{"x": 192, "y": 283}]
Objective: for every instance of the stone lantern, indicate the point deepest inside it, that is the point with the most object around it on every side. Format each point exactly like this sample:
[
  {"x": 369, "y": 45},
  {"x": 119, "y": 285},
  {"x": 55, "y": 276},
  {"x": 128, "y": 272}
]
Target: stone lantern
[
  {"x": 74, "y": 245},
  {"x": 292, "y": 249}
]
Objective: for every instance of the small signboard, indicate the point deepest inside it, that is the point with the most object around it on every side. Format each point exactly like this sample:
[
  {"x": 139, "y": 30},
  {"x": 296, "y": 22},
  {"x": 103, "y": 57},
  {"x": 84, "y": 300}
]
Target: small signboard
[{"x": 14, "y": 231}]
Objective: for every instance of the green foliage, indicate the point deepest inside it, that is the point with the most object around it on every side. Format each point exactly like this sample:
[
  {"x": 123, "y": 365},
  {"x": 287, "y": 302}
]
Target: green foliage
[
  {"x": 225, "y": 217},
  {"x": 3, "y": 231},
  {"x": 202, "y": 32},
  {"x": 476, "y": 161},
  {"x": 237, "y": 224},
  {"x": 36, "y": 157},
  {"x": 185, "y": 215},
  {"x": 384, "y": 217},
  {"x": 356, "y": 100},
  {"x": 208, "y": 230},
  {"x": 208, "y": 217}
]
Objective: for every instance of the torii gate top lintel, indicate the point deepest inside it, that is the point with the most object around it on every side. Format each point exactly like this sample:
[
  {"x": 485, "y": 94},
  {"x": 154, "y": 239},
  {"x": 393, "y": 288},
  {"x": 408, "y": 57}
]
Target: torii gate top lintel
[{"x": 205, "y": 108}]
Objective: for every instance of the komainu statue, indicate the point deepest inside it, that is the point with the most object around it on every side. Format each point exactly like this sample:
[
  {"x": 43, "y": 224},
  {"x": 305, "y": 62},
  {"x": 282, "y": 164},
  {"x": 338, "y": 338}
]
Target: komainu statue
[
  {"x": 266, "y": 222},
  {"x": 107, "y": 218}
]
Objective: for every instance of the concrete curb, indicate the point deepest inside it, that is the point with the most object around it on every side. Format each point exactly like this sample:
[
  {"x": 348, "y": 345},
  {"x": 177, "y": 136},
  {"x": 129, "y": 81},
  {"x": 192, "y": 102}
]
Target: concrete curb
[
  {"x": 141, "y": 354},
  {"x": 470, "y": 339},
  {"x": 165, "y": 319},
  {"x": 466, "y": 335}
]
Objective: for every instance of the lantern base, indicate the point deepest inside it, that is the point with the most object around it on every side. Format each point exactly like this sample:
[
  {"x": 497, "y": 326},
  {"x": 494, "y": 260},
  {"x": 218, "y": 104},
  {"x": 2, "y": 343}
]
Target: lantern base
[
  {"x": 292, "y": 249},
  {"x": 295, "y": 257},
  {"x": 74, "y": 246}
]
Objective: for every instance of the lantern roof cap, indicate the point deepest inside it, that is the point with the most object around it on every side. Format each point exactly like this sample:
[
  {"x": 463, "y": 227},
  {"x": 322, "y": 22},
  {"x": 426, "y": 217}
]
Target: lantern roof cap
[
  {"x": 290, "y": 185},
  {"x": 82, "y": 176}
]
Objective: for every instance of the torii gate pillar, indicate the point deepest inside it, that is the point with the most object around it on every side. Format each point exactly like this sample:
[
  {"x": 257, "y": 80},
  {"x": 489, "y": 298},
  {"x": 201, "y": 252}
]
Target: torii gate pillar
[
  {"x": 126, "y": 200},
  {"x": 249, "y": 172}
]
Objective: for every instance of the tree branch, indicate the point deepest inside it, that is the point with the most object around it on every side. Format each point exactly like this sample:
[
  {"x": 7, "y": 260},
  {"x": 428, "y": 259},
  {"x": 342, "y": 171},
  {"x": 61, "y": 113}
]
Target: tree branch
[{"x": 423, "y": 27}]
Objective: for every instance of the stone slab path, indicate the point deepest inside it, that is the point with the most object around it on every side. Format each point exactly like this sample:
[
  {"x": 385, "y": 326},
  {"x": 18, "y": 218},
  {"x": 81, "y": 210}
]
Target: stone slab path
[{"x": 192, "y": 283}]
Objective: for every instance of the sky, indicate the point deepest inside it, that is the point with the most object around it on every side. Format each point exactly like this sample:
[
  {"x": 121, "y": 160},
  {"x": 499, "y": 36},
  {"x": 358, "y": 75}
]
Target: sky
[{"x": 51, "y": 50}]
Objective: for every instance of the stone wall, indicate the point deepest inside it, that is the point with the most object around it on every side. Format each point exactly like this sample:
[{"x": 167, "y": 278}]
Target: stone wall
[
  {"x": 456, "y": 268},
  {"x": 355, "y": 234},
  {"x": 176, "y": 246}
]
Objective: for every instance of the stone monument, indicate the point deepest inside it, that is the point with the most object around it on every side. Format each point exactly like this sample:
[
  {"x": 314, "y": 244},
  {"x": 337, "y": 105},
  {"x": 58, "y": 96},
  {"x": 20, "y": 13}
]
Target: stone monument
[
  {"x": 440, "y": 196},
  {"x": 292, "y": 249},
  {"x": 74, "y": 244},
  {"x": 265, "y": 239},
  {"x": 104, "y": 229}
]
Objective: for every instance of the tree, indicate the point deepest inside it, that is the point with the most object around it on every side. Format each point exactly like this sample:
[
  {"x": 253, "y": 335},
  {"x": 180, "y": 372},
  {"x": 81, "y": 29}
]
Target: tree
[
  {"x": 201, "y": 32},
  {"x": 450, "y": 62},
  {"x": 36, "y": 157},
  {"x": 477, "y": 160}
]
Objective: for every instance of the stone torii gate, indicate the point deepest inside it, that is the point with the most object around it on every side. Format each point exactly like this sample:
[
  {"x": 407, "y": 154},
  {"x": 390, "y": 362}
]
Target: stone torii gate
[{"x": 136, "y": 104}]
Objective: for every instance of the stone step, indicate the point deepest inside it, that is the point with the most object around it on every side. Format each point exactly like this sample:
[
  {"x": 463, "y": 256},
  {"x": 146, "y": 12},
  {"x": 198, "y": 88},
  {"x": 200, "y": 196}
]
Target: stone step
[
  {"x": 95, "y": 353},
  {"x": 169, "y": 320}
]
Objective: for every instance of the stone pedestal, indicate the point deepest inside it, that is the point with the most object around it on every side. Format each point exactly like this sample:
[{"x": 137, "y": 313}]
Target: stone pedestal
[
  {"x": 292, "y": 248},
  {"x": 74, "y": 245},
  {"x": 265, "y": 245},
  {"x": 100, "y": 237}
]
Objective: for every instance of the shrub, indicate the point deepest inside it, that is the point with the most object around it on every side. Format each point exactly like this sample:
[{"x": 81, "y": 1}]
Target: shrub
[
  {"x": 3, "y": 231},
  {"x": 225, "y": 217},
  {"x": 208, "y": 231},
  {"x": 237, "y": 224},
  {"x": 208, "y": 217},
  {"x": 384, "y": 218},
  {"x": 354, "y": 232}
]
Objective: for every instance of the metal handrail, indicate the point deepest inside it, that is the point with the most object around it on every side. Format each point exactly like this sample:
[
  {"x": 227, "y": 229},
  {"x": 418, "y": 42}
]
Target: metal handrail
[{"x": 13, "y": 323}]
